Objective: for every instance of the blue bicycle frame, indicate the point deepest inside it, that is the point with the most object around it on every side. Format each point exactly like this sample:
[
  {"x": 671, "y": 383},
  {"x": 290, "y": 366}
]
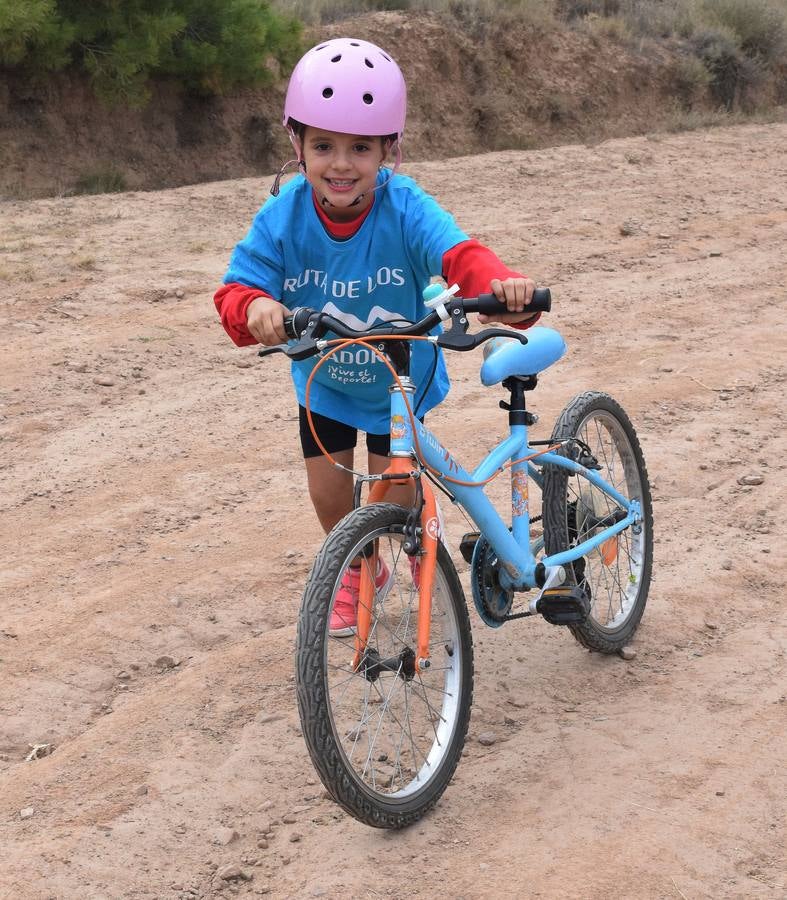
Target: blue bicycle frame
[{"x": 513, "y": 547}]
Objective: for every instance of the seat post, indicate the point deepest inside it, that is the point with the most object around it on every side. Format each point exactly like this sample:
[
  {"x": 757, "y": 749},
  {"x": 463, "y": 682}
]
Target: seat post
[{"x": 517, "y": 385}]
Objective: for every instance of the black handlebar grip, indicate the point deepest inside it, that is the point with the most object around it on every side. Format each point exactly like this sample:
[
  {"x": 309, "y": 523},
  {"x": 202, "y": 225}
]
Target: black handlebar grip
[
  {"x": 297, "y": 322},
  {"x": 489, "y": 305}
]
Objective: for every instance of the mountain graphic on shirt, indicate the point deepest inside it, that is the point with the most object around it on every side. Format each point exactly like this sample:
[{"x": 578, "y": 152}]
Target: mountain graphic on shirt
[{"x": 376, "y": 314}]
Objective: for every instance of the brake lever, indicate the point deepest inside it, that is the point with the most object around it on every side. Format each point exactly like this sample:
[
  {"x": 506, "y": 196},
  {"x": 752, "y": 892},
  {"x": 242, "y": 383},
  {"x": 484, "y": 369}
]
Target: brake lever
[
  {"x": 276, "y": 348},
  {"x": 305, "y": 346},
  {"x": 488, "y": 333},
  {"x": 456, "y": 337}
]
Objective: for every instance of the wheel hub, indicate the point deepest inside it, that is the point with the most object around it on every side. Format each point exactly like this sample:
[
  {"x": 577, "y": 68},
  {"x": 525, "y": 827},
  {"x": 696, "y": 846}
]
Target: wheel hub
[{"x": 403, "y": 664}]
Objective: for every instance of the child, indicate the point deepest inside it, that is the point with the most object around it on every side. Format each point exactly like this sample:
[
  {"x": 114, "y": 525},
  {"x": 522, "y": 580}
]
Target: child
[{"x": 361, "y": 242}]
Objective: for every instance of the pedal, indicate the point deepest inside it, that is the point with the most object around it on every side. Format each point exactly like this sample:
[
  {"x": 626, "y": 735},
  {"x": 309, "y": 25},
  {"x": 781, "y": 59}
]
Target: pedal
[
  {"x": 564, "y": 605},
  {"x": 467, "y": 545}
]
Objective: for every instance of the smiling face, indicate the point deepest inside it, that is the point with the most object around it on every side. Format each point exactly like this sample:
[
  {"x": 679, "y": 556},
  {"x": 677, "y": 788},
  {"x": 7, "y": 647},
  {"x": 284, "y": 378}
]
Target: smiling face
[{"x": 341, "y": 167}]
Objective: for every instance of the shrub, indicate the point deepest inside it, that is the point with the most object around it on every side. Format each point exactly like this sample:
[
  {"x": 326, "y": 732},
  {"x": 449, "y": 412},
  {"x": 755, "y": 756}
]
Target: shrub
[
  {"x": 319, "y": 11},
  {"x": 731, "y": 72},
  {"x": 107, "y": 180},
  {"x": 760, "y": 27},
  {"x": 33, "y": 27},
  {"x": 579, "y": 9},
  {"x": 614, "y": 28},
  {"x": 207, "y": 45},
  {"x": 690, "y": 79}
]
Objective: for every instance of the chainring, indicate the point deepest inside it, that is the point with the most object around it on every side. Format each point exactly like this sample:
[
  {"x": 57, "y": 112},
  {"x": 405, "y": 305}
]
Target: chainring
[{"x": 492, "y": 602}]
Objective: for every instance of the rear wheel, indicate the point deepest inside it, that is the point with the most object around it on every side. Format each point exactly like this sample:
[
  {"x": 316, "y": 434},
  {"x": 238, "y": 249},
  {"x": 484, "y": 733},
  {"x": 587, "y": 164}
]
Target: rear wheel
[
  {"x": 616, "y": 575},
  {"x": 384, "y": 738}
]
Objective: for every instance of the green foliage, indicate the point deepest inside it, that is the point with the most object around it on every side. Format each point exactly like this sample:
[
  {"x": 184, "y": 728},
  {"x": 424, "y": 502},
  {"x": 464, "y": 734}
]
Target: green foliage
[
  {"x": 690, "y": 79},
  {"x": 209, "y": 46},
  {"x": 33, "y": 28},
  {"x": 760, "y": 26},
  {"x": 107, "y": 180}
]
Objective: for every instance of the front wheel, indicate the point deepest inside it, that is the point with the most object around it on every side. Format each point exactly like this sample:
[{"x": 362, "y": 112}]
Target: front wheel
[
  {"x": 616, "y": 575},
  {"x": 384, "y": 738}
]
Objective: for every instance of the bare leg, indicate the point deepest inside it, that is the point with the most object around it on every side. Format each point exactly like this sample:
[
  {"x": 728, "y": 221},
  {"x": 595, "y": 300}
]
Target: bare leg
[
  {"x": 330, "y": 489},
  {"x": 403, "y": 494}
]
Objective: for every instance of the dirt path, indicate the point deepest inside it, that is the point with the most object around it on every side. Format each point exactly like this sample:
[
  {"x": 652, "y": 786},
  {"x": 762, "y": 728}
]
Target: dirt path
[{"x": 155, "y": 543}]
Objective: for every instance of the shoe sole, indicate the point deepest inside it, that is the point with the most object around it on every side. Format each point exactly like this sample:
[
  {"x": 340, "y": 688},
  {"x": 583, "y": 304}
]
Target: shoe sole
[{"x": 350, "y": 630}]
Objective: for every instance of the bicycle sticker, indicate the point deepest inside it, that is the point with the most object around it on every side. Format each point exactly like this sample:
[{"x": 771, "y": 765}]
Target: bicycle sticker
[
  {"x": 398, "y": 429},
  {"x": 433, "y": 528},
  {"x": 519, "y": 506}
]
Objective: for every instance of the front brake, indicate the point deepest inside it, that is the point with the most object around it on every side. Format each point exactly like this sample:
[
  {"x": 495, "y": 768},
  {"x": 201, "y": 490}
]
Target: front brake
[
  {"x": 456, "y": 338},
  {"x": 276, "y": 348}
]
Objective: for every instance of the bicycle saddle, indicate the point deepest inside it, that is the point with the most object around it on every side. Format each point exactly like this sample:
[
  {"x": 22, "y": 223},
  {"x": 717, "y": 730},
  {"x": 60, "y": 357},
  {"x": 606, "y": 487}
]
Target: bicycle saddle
[{"x": 506, "y": 356}]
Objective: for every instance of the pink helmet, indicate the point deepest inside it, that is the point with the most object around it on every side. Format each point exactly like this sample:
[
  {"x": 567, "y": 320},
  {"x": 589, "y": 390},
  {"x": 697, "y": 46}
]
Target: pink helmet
[{"x": 350, "y": 86}]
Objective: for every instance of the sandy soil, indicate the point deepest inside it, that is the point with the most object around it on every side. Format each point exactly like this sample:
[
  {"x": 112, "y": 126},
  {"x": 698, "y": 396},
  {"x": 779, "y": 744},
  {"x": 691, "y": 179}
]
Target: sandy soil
[{"x": 156, "y": 540}]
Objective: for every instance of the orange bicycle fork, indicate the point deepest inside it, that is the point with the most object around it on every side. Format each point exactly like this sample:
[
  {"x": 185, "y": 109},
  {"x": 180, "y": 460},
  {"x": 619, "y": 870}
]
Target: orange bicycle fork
[{"x": 402, "y": 467}]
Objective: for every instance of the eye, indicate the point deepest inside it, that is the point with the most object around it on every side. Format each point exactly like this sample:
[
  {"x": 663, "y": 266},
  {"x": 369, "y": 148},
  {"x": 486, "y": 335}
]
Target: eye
[
  {"x": 322, "y": 147},
  {"x": 361, "y": 148}
]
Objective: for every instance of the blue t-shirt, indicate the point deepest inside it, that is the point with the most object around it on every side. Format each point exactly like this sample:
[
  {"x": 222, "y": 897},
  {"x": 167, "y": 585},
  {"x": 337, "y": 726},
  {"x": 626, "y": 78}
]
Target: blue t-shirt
[{"x": 375, "y": 276}]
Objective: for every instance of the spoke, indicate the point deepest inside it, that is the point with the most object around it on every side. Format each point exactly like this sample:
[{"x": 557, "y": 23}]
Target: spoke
[
  {"x": 386, "y": 703},
  {"x": 360, "y": 724},
  {"x": 413, "y": 748},
  {"x": 432, "y": 711},
  {"x": 392, "y": 728},
  {"x": 337, "y": 701}
]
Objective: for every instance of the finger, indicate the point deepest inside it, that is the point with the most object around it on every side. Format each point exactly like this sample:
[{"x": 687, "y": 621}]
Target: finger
[
  {"x": 519, "y": 287},
  {"x": 269, "y": 331},
  {"x": 256, "y": 332},
  {"x": 530, "y": 289},
  {"x": 276, "y": 328},
  {"x": 497, "y": 288},
  {"x": 515, "y": 296}
]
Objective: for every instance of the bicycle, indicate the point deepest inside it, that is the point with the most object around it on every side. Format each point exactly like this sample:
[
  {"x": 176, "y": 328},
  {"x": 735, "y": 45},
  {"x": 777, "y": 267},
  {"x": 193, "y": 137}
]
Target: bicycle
[{"x": 385, "y": 710}]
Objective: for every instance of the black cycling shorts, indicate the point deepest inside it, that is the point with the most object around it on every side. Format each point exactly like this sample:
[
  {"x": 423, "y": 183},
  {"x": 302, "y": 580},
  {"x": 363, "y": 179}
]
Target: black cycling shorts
[{"x": 336, "y": 436}]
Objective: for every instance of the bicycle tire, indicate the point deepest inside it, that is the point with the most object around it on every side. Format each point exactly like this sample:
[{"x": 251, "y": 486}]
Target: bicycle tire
[
  {"x": 411, "y": 732},
  {"x": 619, "y": 572}
]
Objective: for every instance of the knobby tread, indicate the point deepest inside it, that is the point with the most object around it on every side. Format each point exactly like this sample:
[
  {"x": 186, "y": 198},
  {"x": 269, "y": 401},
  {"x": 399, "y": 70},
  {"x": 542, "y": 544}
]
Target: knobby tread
[
  {"x": 554, "y": 502},
  {"x": 316, "y": 722}
]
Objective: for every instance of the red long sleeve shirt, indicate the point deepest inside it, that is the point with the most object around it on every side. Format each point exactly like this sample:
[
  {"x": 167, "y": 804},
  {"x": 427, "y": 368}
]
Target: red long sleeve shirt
[{"x": 469, "y": 264}]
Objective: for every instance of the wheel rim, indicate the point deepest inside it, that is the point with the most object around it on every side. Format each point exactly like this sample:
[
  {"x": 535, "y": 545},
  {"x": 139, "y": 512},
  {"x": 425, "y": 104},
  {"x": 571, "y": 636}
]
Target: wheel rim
[
  {"x": 612, "y": 573},
  {"x": 395, "y": 730}
]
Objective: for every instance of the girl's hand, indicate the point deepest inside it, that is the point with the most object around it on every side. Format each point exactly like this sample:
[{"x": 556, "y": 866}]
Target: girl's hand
[
  {"x": 516, "y": 293},
  {"x": 265, "y": 320}
]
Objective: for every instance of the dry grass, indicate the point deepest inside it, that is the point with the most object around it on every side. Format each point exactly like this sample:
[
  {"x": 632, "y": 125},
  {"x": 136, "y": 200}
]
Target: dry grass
[{"x": 540, "y": 13}]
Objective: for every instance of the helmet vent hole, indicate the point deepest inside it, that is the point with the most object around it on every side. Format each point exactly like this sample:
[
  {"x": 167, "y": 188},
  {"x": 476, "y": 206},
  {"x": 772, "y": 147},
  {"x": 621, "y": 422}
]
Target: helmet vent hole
[
  {"x": 327, "y": 93},
  {"x": 385, "y": 55},
  {"x": 368, "y": 63},
  {"x": 336, "y": 58},
  {"x": 354, "y": 44},
  {"x": 368, "y": 99}
]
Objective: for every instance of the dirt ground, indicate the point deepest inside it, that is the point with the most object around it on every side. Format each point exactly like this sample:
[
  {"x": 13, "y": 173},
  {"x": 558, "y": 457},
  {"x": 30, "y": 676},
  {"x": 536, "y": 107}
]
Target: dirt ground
[{"x": 156, "y": 539}]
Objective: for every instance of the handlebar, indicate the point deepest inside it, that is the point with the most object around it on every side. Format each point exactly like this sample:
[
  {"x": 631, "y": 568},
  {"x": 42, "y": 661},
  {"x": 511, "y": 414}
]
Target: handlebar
[
  {"x": 489, "y": 305},
  {"x": 307, "y": 326}
]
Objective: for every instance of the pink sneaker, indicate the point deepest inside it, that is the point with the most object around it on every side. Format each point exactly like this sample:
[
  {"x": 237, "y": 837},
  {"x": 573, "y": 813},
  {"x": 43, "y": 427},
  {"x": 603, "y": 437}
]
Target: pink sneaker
[{"x": 344, "y": 616}]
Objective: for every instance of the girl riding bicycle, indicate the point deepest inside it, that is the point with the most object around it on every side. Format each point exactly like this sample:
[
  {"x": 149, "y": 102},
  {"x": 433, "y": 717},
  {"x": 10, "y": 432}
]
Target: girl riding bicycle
[{"x": 354, "y": 238}]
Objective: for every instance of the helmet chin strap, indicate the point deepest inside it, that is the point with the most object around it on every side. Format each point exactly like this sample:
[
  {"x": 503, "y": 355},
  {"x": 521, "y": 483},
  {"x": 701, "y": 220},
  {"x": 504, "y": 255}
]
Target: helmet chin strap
[
  {"x": 324, "y": 201},
  {"x": 275, "y": 187}
]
